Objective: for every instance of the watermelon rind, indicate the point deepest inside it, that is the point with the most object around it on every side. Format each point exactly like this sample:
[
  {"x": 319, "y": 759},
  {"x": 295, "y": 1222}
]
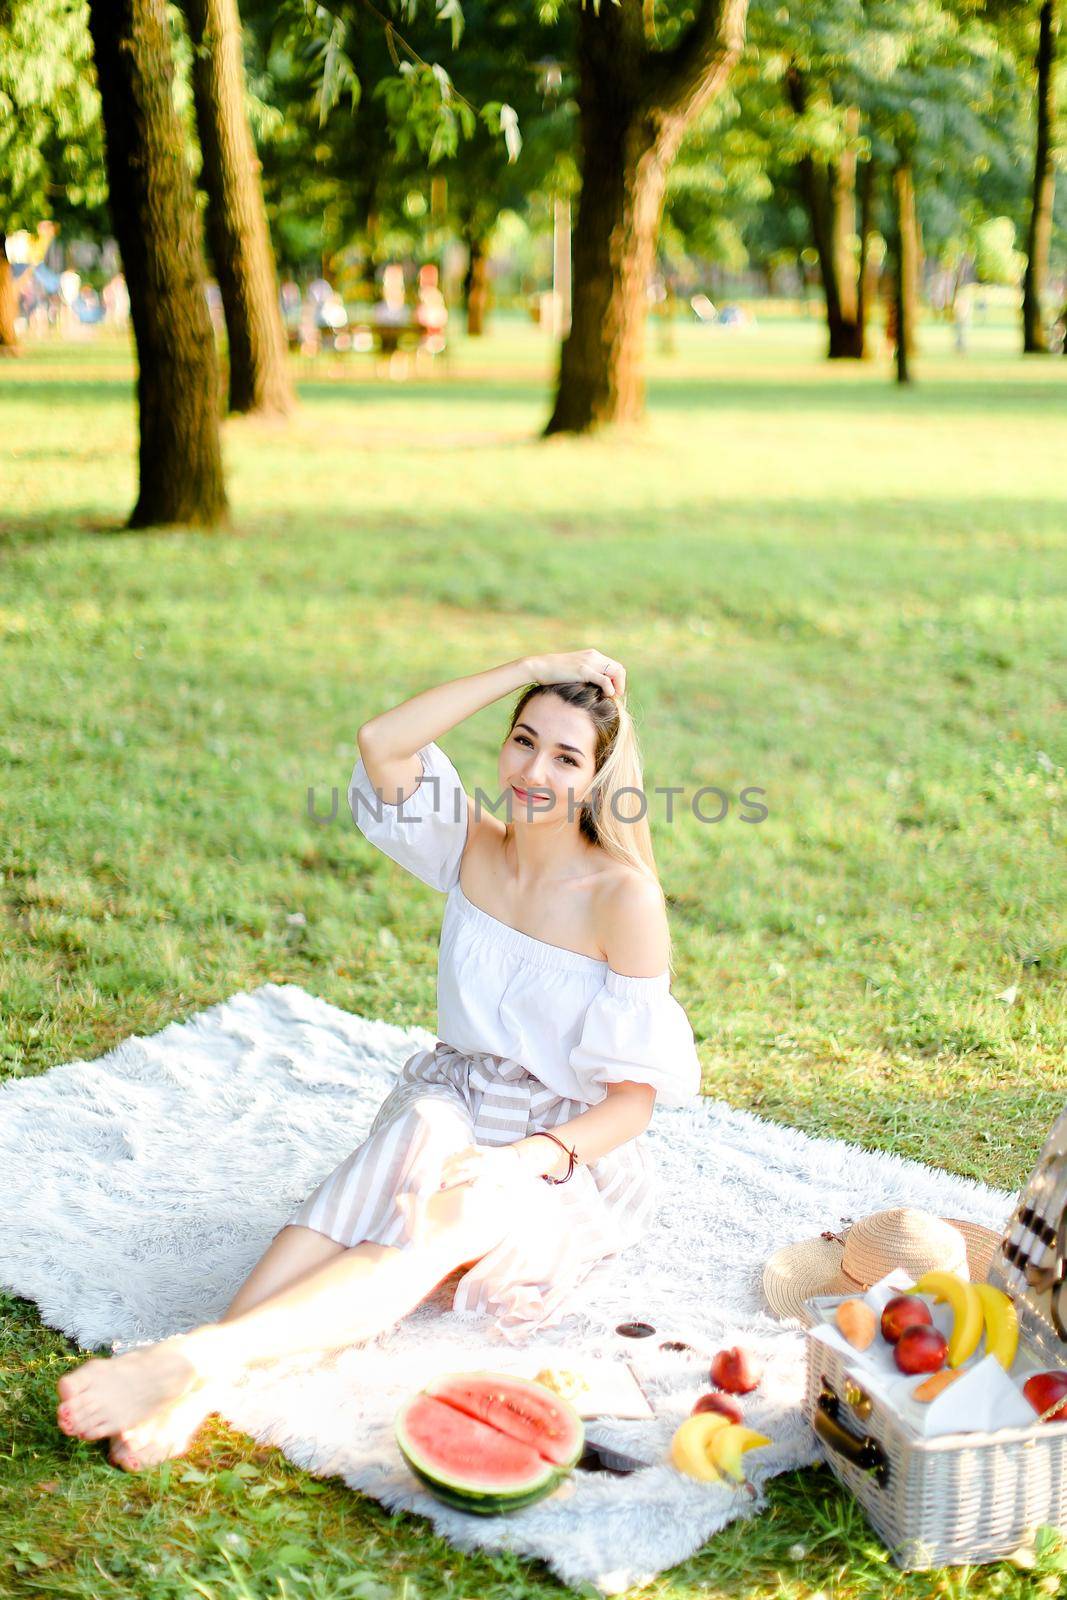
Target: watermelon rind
[
  {"x": 562, "y": 1446},
  {"x": 485, "y": 1505}
]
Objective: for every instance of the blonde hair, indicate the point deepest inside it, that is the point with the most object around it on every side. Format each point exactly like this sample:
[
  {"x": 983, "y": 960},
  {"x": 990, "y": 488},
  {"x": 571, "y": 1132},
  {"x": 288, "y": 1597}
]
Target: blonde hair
[{"x": 610, "y": 816}]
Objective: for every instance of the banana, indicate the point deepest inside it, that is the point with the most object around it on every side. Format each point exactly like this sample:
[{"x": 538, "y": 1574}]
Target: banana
[
  {"x": 968, "y": 1315},
  {"x": 689, "y": 1447},
  {"x": 727, "y": 1447},
  {"x": 1001, "y": 1324},
  {"x": 709, "y": 1445}
]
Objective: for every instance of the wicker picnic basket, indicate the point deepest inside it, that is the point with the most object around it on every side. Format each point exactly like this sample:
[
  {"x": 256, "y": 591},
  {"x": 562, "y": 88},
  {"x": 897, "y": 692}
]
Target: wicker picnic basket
[{"x": 962, "y": 1498}]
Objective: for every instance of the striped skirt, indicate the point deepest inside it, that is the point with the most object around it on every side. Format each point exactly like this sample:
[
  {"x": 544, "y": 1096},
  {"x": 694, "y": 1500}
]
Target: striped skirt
[{"x": 550, "y": 1236}]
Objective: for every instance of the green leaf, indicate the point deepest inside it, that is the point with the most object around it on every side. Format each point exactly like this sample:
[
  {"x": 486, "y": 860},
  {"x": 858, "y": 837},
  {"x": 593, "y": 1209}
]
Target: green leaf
[
  {"x": 509, "y": 127},
  {"x": 451, "y": 11},
  {"x": 467, "y": 118},
  {"x": 228, "y": 1482},
  {"x": 37, "y": 1557},
  {"x": 445, "y": 137},
  {"x": 443, "y": 81},
  {"x": 293, "y": 1555},
  {"x": 338, "y": 73}
]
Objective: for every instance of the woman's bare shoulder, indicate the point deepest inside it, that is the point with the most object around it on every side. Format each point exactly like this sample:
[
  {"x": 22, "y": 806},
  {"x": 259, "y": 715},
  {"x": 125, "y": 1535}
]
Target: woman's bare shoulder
[
  {"x": 620, "y": 881},
  {"x": 631, "y": 921}
]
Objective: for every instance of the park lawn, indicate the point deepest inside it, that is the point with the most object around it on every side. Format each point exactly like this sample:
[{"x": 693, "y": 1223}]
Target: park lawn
[{"x": 851, "y": 597}]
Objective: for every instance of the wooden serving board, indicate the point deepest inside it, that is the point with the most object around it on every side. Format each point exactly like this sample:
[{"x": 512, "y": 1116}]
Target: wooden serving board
[{"x": 614, "y": 1388}]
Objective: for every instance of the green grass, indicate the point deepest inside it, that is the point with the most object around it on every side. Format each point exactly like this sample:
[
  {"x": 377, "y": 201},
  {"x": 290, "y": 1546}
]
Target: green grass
[{"x": 851, "y": 597}]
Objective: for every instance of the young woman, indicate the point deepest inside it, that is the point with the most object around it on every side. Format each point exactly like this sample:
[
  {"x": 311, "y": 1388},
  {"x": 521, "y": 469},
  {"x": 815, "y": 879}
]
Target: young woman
[{"x": 512, "y": 1148}]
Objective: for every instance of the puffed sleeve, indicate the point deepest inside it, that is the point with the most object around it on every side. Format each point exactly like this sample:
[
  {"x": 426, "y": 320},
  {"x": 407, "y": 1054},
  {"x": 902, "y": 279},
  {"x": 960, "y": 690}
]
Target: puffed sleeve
[
  {"x": 634, "y": 1029},
  {"x": 427, "y": 832}
]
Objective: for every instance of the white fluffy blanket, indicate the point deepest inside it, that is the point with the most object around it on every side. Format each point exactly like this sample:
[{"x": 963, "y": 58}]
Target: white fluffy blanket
[{"x": 140, "y": 1188}]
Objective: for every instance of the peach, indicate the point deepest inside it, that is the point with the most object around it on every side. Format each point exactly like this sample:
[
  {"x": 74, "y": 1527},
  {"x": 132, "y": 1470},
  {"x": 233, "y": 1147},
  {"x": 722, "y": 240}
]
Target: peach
[
  {"x": 725, "y": 1404},
  {"x": 904, "y": 1311},
  {"x": 920, "y": 1349},
  {"x": 1043, "y": 1390},
  {"x": 857, "y": 1322},
  {"x": 735, "y": 1371}
]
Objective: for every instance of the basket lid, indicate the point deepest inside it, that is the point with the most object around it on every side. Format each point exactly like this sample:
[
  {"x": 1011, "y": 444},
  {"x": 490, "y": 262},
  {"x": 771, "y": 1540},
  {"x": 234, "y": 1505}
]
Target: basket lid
[{"x": 1031, "y": 1264}]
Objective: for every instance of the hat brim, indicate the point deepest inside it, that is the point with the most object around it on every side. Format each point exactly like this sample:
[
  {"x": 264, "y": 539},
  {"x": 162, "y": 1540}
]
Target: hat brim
[{"x": 812, "y": 1267}]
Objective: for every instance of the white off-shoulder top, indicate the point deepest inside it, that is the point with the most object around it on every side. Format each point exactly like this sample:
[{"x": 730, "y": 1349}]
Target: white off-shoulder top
[{"x": 568, "y": 1018}]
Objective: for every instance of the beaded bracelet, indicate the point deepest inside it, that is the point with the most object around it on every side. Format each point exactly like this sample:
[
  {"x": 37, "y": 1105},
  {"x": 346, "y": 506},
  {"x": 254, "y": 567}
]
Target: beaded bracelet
[{"x": 543, "y": 1134}]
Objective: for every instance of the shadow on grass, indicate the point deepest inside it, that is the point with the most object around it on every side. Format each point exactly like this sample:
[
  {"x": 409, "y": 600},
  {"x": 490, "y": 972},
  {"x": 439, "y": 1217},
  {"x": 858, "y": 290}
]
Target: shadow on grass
[
  {"x": 825, "y": 393},
  {"x": 939, "y": 396},
  {"x": 33, "y": 390},
  {"x": 843, "y": 550},
  {"x": 33, "y": 529},
  {"x": 713, "y": 392}
]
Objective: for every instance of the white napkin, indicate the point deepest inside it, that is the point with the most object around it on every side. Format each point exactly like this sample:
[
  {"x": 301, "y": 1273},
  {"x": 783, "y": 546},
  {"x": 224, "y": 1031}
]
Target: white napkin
[{"x": 983, "y": 1398}]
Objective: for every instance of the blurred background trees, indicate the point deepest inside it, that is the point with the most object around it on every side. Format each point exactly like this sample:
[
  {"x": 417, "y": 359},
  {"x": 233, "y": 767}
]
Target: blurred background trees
[
  {"x": 51, "y": 143},
  {"x": 886, "y": 157}
]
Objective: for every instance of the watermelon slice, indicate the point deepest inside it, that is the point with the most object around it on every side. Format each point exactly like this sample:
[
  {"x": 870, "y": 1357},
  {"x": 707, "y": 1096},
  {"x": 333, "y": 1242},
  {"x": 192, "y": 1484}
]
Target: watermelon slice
[
  {"x": 518, "y": 1407},
  {"x": 486, "y": 1442}
]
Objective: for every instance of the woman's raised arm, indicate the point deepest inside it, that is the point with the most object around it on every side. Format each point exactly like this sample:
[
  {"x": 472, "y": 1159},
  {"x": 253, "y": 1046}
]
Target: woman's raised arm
[{"x": 389, "y": 743}]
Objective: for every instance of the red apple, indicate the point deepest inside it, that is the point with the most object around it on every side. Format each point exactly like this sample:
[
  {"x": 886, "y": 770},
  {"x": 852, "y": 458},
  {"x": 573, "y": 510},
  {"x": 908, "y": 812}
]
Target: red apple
[
  {"x": 920, "y": 1349},
  {"x": 735, "y": 1370},
  {"x": 1043, "y": 1390},
  {"x": 723, "y": 1403},
  {"x": 904, "y": 1311}
]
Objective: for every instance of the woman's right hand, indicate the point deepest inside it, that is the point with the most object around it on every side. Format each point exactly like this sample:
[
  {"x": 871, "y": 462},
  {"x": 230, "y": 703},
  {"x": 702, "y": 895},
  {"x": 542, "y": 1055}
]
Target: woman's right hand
[{"x": 580, "y": 666}]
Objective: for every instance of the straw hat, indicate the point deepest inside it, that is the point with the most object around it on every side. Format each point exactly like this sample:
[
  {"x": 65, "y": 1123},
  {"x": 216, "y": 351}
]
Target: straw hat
[{"x": 849, "y": 1262}]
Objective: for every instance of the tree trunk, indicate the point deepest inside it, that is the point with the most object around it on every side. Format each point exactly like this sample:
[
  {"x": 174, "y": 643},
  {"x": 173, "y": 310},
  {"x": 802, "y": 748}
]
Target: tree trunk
[
  {"x": 867, "y": 274},
  {"x": 816, "y": 194},
  {"x": 153, "y": 213},
  {"x": 802, "y": 282},
  {"x": 369, "y": 265},
  {"x": 9, "y": 304},
  {"x": 845, "y": 329},
  {"x": 476, "y": 286},
  {"x": 624, "y": 177},
  {"x": 843, "y": 226},
  {"x": 905, "y": 264},
  {"x": 635, "y": 103},
  {"x": 236, "y": 217},
  {"x": 829, "y": 195},
  {"x": 1039, "y": 231}
]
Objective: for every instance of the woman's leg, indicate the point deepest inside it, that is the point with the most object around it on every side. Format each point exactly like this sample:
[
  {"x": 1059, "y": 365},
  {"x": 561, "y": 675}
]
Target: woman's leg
[
  {"x": 293, "y": 1253},
  {"x": 353, "y": 1295},
  {"x": 358, "y": 1294},
  {"x": 290, "y": 1256}
]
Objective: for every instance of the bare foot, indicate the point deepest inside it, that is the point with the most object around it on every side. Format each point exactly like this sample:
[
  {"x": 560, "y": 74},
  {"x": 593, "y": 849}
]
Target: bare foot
[
  {"x": 167, "y": 1433},
  {"x": 110, "y": 1397},
  {"x": 120, "y": 1454}
]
